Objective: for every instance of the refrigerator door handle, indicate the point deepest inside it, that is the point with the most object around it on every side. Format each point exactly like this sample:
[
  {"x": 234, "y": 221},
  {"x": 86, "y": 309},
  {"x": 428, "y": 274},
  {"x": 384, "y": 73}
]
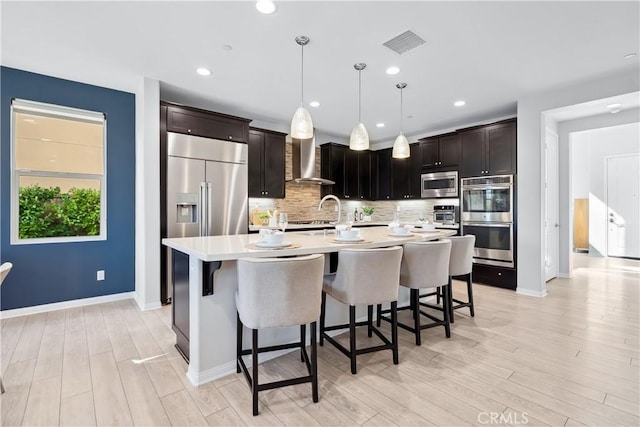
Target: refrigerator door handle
[
  {"x": 209, "y": 208},
  {"x": 203, "y": 209}
]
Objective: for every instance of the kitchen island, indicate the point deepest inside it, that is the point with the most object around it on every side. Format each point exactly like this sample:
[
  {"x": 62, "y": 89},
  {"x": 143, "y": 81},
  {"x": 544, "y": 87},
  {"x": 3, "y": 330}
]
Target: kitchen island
[{"x": 206, "y": 283}]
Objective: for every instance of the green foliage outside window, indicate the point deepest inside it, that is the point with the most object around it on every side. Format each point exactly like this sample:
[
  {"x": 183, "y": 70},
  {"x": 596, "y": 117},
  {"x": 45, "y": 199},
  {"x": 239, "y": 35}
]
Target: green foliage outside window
[{"x": 46, "y": 212}]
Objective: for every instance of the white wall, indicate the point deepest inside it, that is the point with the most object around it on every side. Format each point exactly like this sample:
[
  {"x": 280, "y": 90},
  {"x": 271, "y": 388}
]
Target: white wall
[
  {"x": 531, "y": 168},
  {"x": 567, "y": 131}
]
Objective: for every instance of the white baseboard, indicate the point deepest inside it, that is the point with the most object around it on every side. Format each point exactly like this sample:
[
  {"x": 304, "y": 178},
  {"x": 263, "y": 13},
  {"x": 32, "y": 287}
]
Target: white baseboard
[
  {"x": 530, "y": 293},
  {"x": 565, "y": 275},
  {"x": 44, "y": 308},
  {"x": 146, "y": 306}
]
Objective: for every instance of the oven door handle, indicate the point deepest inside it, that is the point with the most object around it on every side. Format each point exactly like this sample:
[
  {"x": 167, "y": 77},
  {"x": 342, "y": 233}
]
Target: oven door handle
[
  {"x": 488, "y": 224},
  {"x": 486, "y": 187}
]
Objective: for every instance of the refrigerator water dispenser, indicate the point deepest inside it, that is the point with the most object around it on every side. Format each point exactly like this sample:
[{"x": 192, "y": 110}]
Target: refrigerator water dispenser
[{"x": 186, "y": 208}]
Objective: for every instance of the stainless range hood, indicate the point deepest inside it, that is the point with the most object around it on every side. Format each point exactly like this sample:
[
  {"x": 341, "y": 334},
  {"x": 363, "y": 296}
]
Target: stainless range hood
[{"x": 303, "y": 157}]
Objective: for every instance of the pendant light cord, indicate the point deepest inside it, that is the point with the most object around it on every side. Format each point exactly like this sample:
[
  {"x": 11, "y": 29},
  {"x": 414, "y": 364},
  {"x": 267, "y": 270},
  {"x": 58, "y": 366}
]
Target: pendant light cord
[
  {"x": 302, "y": 77},
  {"x": 359, "y": 95},
  {"x": 401, "y": 112}
]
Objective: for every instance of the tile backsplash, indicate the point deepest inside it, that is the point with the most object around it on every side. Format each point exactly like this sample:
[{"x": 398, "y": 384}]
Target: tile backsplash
[{"x": 301, "y": 202}]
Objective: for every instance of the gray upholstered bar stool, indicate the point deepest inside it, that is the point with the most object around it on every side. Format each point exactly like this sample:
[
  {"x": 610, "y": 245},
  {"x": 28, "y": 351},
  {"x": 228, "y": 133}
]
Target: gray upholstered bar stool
[
  {"x": 277, "y": 292},
  {"x": 5, "y": 268},
  {"x": 424, "y": 265},
  {"x": 461, "y": 267},
  {"x": 364, "y": 277}
]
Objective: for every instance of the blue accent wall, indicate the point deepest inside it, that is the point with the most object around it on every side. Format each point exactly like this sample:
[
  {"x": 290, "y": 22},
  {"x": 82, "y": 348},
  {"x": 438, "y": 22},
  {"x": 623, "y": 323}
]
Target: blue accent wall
[{"x": 48, "y": 273}]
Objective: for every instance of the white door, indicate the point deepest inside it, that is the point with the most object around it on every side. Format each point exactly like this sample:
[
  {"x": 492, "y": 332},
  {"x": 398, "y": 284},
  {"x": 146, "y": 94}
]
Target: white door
[
  {"x": 623, "y": 206},
  {"x": 551, "y": 203}
]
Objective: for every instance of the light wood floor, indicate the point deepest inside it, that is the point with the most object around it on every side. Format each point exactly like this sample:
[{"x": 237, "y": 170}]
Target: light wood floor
[{"x": 568, "y": 359}]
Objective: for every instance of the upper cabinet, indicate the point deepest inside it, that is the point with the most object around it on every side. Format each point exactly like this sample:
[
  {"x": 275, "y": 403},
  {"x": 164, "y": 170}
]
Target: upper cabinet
[
  {"x": 383, "y": 174},
  {"x": 350, "y": 170},
  {"x": 266, "y": 161},
  {"x": 194, "y": 121},
  {"x": 405, "y": 175},
  {"x": 489, "y": 150},
  {"x": 440, "y": 151}
]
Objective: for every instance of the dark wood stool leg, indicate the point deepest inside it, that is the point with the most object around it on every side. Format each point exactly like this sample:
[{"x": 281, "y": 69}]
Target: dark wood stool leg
[
  {"x": 438, "y": 290},
  {"x": 352, "y": 337},
  {"x": 322, "y": 312},
  {"x": 470, "y": 293},
  {"x": 303, "y": 338},
  {"x": 254, "y": 381},
  {"x": 314, "y": 363},
  {"x": 450, "y": 300},
  {"x": 394, "y": 330},
  {"x": 379, "y": 315},
  {"x": 445, "y": 310},
  {"x": 415, "y": 300},
  {"x": 238, "y": 343},
  {"x": 369, "y": 321}
]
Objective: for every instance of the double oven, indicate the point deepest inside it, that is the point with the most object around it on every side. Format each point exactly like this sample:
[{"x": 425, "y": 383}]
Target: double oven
[{"x": 488, "y": 213}]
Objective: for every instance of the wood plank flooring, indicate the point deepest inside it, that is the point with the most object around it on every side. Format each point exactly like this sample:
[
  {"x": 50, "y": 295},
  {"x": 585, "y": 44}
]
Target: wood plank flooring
[{"x": 568, "y": 359}]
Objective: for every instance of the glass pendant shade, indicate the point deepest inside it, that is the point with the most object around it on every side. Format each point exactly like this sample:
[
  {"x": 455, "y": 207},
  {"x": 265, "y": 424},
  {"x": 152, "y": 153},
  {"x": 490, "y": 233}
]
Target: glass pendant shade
[
  {"x": 401, "y": 148},
  {"x": 301, "y": 124},
  {"x": 359, "y": 139}
]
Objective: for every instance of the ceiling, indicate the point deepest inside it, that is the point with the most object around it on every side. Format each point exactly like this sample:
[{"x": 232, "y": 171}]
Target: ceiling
[{"x": 489, "y": 54}]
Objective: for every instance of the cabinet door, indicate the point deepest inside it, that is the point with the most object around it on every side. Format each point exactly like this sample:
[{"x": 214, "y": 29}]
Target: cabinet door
[
  {"x": 383, "y": 170},
  {"x": 338, "y": 160},
  {"x": 449, "y": 149},
  {"x": 501, "y": 149},
  {"x": 364, "y": 175},
  {"x": 350, "y": 173},
  {"x": 400, "y": 178},
  {"x": 273, "y": 155},
  {"x": 254, "y": 163},
  {"x": 429, "y": 152},
  {"x": 473, "y": 153},
  {"x": 415, "y": 167},
  {"x": 208, "y": 125}
]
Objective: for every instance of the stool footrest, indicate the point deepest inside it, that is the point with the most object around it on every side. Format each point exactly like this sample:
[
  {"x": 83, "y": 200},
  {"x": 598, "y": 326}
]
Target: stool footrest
[
  {"x": 273, "y": 348},
  {"x": 388, "y": 345}
]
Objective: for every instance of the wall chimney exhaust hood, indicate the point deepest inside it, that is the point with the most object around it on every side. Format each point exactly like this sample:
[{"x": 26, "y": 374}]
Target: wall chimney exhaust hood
[{"x": 303, "y": 158}]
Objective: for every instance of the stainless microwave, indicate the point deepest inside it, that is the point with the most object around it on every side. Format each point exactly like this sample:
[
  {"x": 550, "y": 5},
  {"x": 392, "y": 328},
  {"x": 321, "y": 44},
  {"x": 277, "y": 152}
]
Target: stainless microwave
[{"x": 439, "y": 184}]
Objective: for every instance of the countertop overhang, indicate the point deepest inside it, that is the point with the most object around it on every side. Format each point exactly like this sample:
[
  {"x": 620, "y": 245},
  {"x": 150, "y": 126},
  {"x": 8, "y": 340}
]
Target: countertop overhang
[{"x": 224, "y": 248}]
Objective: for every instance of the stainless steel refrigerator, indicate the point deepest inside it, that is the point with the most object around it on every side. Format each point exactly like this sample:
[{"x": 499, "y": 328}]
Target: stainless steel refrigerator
[{"x": 206, "y": 190}]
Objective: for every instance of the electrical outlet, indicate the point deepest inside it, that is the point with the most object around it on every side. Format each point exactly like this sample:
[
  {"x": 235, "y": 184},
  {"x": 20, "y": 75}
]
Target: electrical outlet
[{"x": 100, "y": 275}]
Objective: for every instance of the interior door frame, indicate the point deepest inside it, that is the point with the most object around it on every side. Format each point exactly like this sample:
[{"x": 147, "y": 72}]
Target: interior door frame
[
  {"x": 606, "y": 192},
  {"x": 555, "y": 273}
]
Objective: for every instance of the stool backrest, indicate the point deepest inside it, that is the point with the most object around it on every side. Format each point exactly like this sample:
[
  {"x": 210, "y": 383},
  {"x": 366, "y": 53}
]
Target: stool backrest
[
  {"x": 275, "y": 292},
  {"x": 5, "y": 268},
  {"x": 425, "y": 264},
  {"x": 461, "y": 260},
  {"x": 368, "y": 276}
]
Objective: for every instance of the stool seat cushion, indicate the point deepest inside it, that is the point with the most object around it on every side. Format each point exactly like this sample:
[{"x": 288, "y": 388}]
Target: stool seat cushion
[
  {"x": 365, "y": 276},
  {"x": 425, "y": 264},
  {"x": 275, "y": 292}
]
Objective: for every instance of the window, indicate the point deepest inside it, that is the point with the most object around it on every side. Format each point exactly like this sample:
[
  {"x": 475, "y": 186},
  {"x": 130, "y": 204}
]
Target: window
[{"x": 58, "y": 174}]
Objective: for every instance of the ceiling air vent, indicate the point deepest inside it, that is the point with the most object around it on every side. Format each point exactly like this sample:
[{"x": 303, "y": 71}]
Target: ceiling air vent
[{"x": 405, "y": 42}]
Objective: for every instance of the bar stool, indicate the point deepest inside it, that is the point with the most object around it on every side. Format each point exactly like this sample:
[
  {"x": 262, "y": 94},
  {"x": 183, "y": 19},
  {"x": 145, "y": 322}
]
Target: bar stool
[
  {"x": 424, "y": 265},
  {"x": 5, "y": 268},
  {"x": 366, "y": 277},
  {"x": 461, "y": 267},
  {"x": 277, "y": 292}
]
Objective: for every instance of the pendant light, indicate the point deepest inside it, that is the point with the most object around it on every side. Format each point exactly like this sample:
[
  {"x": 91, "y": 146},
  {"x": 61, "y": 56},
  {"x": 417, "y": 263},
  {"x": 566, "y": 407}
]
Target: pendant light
[
  {"x": 301, "y": 124},
  {"x": 359, "y": 139},
  {"x": 401, "y": 148}
]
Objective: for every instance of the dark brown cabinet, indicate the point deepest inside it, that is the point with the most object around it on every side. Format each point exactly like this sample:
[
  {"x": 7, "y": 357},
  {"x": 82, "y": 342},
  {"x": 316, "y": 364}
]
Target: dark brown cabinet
[
  {"x": 489, "y": 150},
  {"x": 266, "y": 161},
  {"x": 349, "y": 169},
  {"x": 383, "y": 174},
  {"x": 194, "y": 121},
  {"x": 440, "y": 151},
  {"x": 405, "y": 175}
]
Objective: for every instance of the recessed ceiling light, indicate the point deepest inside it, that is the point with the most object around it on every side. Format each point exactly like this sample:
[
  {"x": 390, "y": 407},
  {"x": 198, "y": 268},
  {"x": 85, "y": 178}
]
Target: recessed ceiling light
[
  {"x": 265, "y": 6},
  {"x": 226, "y": 47},
  {"x": 615, "y": 110},
  {"x": 379, "y": 125},
  {"x": 616, "y": 105},
  {"x": 29, "y": 120},
  {"x": 203, "y": 71},
  {"x": 630, "y": 55},
  {"x": 460, "y": 103},
  {"x": 393, "y": 70},
  {"x": 314, "y": 104}
]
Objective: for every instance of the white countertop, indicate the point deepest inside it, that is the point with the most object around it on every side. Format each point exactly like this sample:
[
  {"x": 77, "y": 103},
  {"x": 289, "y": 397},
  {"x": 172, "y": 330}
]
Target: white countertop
[
  {"x": 223, "y": 248},
  {"x": 355, "y": 224}
]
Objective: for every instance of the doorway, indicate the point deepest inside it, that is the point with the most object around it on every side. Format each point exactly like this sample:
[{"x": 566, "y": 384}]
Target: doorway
[
  {"x": 552, "y": 221},
  {"x": 623, "y": 206}
]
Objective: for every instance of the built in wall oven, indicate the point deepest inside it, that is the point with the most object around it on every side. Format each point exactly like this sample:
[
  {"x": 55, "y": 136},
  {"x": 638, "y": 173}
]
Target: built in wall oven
[{"x": 487, "y": 213}]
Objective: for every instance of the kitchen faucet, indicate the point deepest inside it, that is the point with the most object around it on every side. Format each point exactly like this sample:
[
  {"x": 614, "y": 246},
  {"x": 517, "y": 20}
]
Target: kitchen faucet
[{"x": 331, "y": 196}]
